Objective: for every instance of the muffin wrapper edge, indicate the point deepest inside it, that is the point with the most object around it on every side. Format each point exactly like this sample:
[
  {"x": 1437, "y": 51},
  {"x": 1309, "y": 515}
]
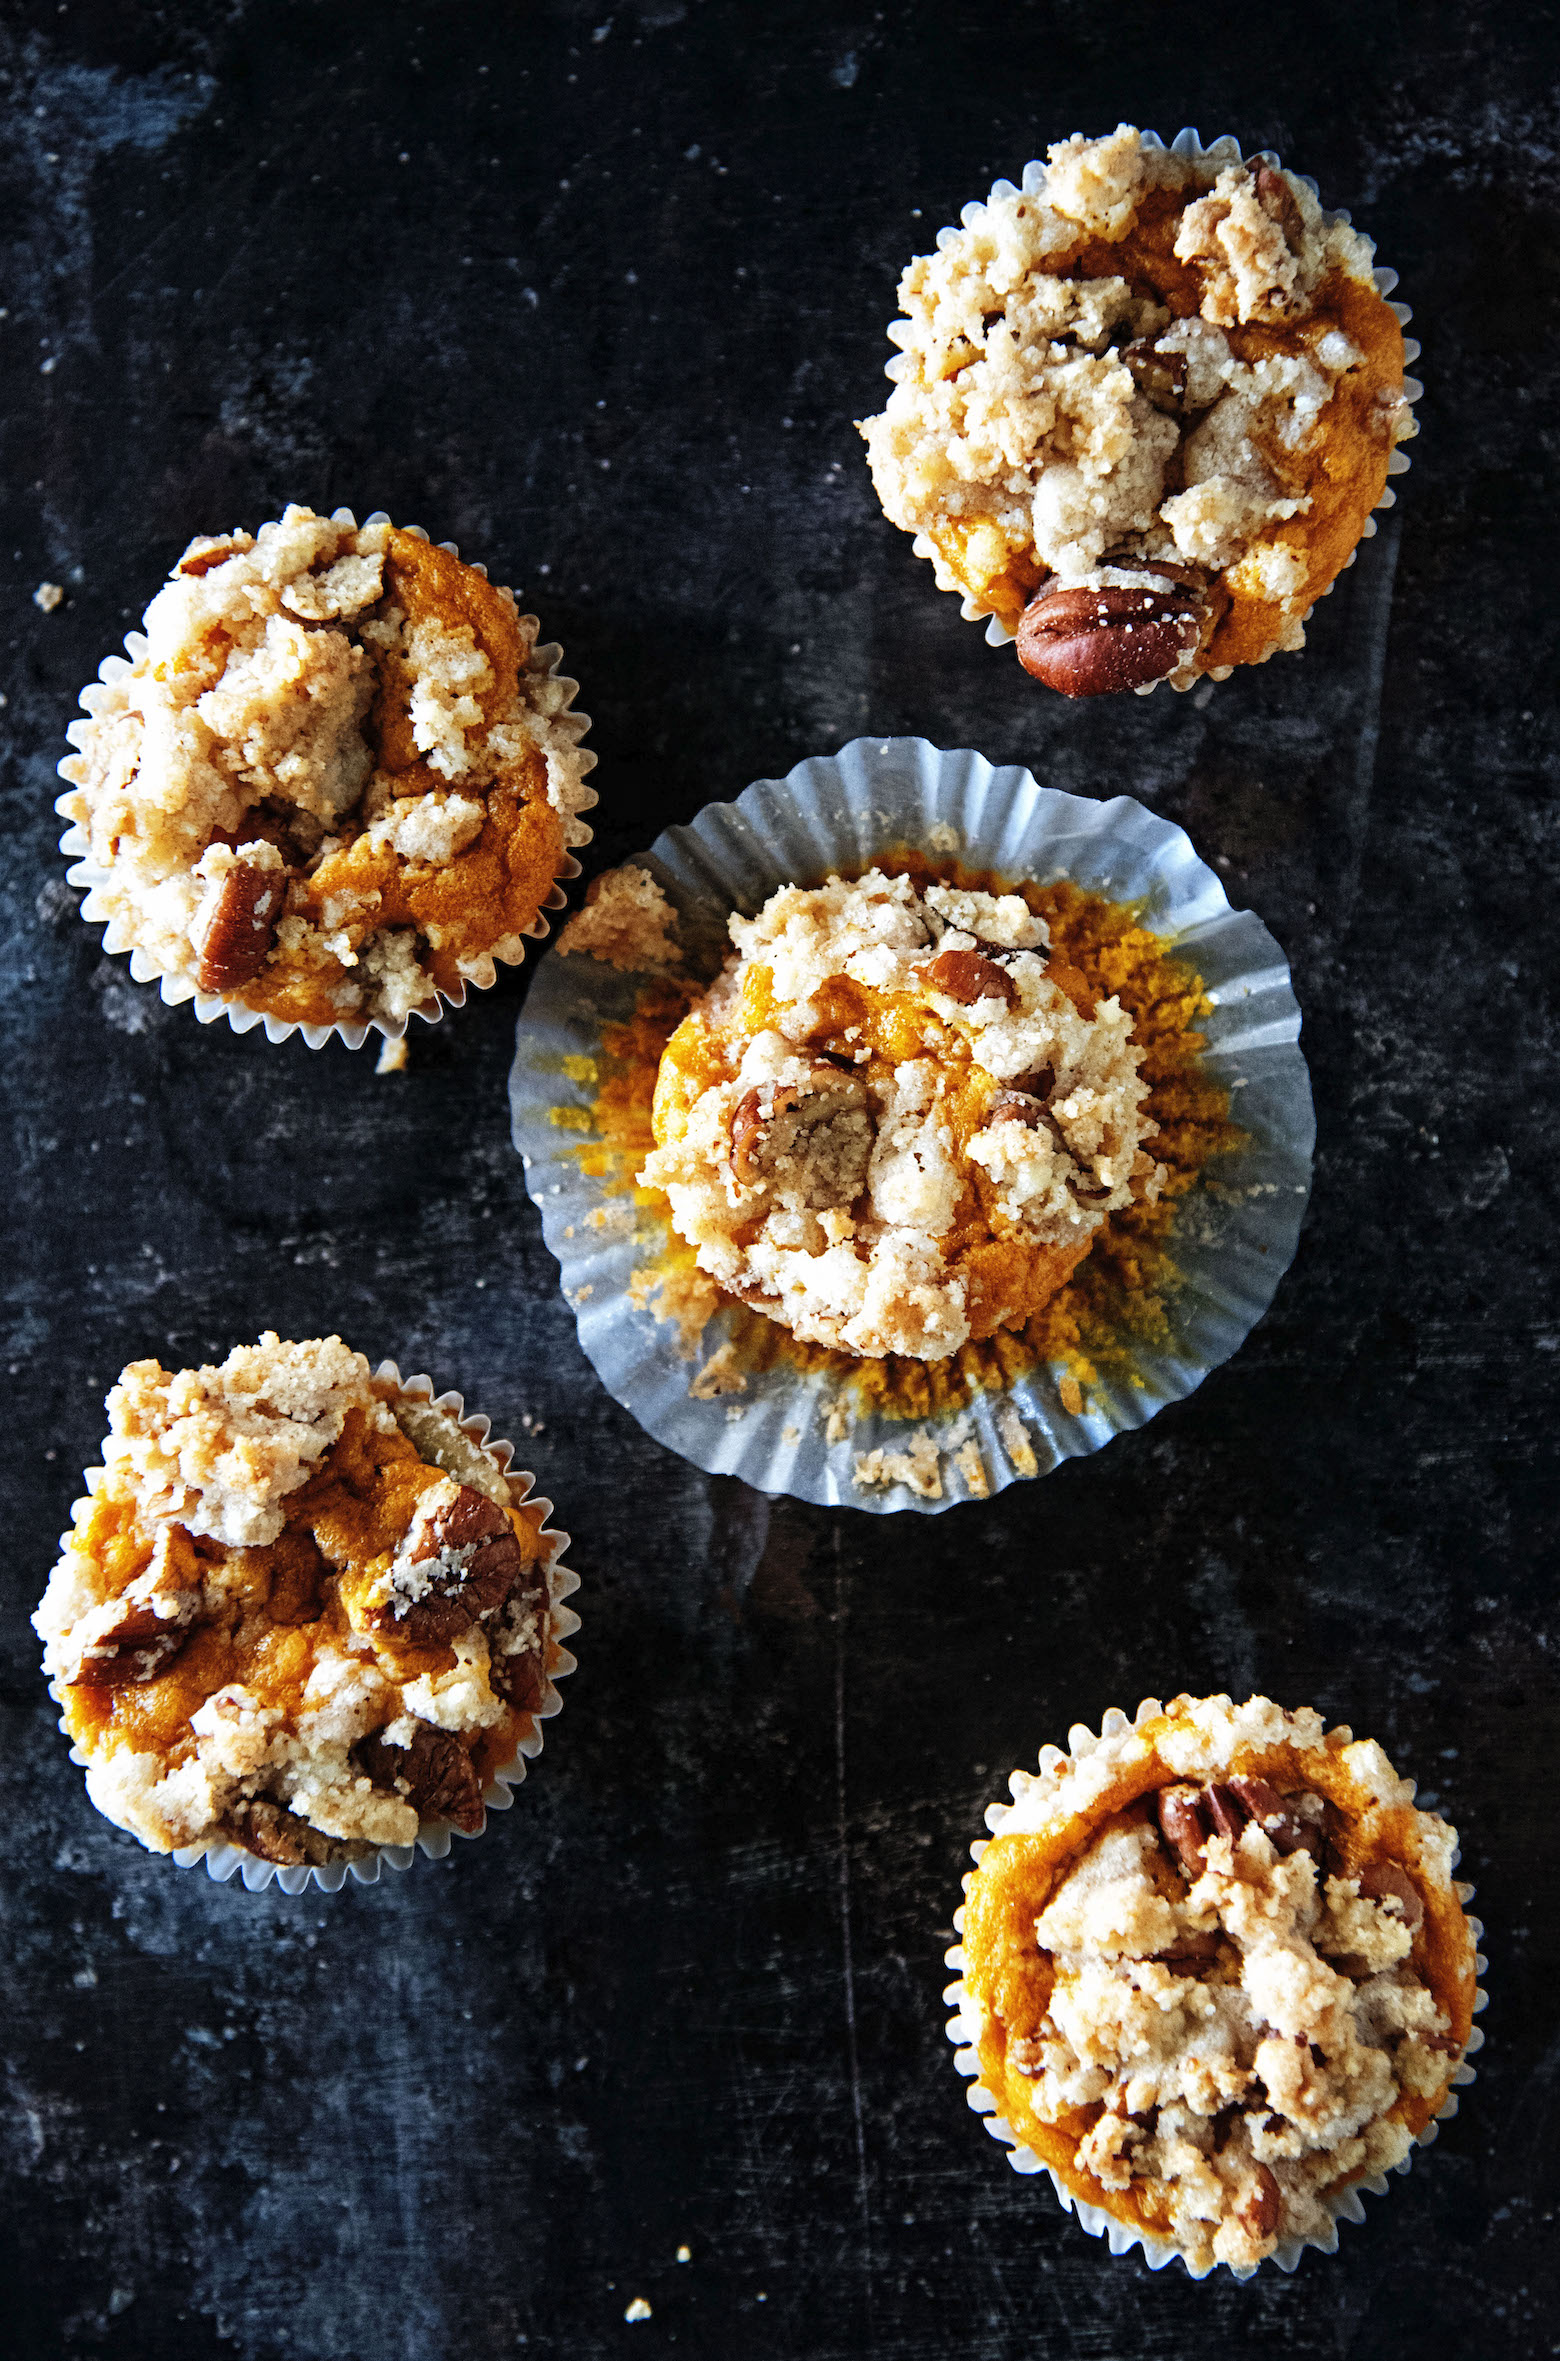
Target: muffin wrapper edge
[
  {"x": 838, "y": 813},
  {"x": 545, "y": 661},
  {"x": 1344, "y": 2205},
  {"x": 224, "y": 1861},
  {"x": 1226, "y": 149}
]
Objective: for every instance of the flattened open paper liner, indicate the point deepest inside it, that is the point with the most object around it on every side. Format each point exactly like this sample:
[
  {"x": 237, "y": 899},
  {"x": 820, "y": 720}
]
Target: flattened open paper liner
[
  {"x": 1231, "y": 1243},
  {"x": 225, "y": 1860},
  {"x": 1345, "y": 2205},
  {"x": 544, "y": 661},
  {"x": 1226, "y": 149}
]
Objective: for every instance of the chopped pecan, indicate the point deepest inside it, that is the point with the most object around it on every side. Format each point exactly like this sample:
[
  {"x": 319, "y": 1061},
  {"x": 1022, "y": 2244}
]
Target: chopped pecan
[
  {"x": 1190, "y": 1950},
  {"x": 1285, "y": 1828},
  {"x": 1159, "y": 376},
  {"x": 1184, "y": 1825},
  {"x": 1384, "y": 1882},
  {"x": 817, "y": 1134},
  {"x": 969, "y": 976},
  {"x": 1025, "y": 2053},
  {"x": 435, "y": 1774},
  {"x": 1277, "y": 200},
  {"x": 517, "y": 1643},
  {"x": 211, "y": 550},
  {"x": 1260, "y": 2204},
  {"x": 240, "y": 927},
  {"x": 1017, "y": 1106},
  {"x": 1090, "y": 643},
  {"x": 455, "y": 1567},
  {"x": 269, "y": 1831},
  {"x": 135, "y": 1636},
  {"x": 1225, "y": 1810}
]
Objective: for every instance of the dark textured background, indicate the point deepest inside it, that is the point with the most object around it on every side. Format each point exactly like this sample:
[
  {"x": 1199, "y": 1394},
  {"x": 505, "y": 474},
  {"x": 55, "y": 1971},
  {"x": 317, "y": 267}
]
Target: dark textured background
[{"x": 597, "y": 291}]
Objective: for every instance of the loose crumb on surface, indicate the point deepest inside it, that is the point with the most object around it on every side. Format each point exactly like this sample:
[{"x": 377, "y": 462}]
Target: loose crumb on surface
[
  {"x": 394, "y": 1057},
  {"x": 1072, "y": 1395},
  {"x": 720, "y": 1375},
  {"x": 638, "y": 2309},
  {"x": 626, "y": 921},
  {"x": 839, "y": 1421},
  {"x": 1015, "y": 1441},
  {"x": 48, "y": 596},
  {"x": 918, "y": 1468},
  {"x": 972, "y": 1468}
]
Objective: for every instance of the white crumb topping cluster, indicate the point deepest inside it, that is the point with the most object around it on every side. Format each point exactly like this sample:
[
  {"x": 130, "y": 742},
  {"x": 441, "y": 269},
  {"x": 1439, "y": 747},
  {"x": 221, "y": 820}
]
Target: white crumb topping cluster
[
  {"x": 1245, "y": 2017},
  {"x": 828, "y": 1186},
  {"x": 627, "y": 922},
  {"x": 199, "y": 1465},
  {"x": 1075, "y": 420},
  {"x": 249, "y": 705}
]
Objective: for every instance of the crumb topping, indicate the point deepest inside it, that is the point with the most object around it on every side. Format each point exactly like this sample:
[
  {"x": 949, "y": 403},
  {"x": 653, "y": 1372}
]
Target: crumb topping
[
  {"x": 896, "y": 1121},
  {"x": 627, "y": 922},
  {"x": 298, "y": 1611},
  {"x": 1211, "y": 2002},
  {"x": 1145, "y": 359},
  {"x": 365, "y": 716}
]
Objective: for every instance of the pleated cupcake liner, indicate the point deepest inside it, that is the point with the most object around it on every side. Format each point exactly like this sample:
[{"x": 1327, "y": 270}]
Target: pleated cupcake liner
[
  {"x": 177, "y": 989},
  {"x": 839, "y": 813},
  {"x": 224, "y": 1860},
  {"x": 1224, "y": 150},
  {"x": 1342, "y": 2205}
]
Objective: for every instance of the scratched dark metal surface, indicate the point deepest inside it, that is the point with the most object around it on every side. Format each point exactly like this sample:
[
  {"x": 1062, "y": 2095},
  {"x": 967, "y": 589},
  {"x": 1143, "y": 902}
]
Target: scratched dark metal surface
[{"x": 597, "y": 290}]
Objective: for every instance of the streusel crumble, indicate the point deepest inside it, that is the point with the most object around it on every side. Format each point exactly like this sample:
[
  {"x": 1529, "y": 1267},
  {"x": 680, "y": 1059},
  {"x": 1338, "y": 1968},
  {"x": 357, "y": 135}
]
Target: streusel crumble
[
  {"x": 1215, "y": 1969},
  {"x": 335, "y": 781},
  {"x": 898, "y": 1119},
  {"x": 300, "y": 1611},
  {"x": 1145, "y": 406}
]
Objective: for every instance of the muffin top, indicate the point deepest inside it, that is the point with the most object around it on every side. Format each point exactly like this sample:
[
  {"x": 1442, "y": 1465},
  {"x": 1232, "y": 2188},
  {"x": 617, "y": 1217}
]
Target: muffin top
[
  {"x": 1216, "y": 1969},
  {"x": 897, "y": 1120},
  {"x": 335, "y": 780},
  {"x": 1159, "y": 391},
  {"x": 299, "y": 1611}
]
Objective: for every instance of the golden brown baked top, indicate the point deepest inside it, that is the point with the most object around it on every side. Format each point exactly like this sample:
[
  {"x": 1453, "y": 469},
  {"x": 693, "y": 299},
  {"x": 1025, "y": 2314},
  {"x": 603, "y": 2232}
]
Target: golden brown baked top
[
  {"x": 299, "y": 1611},
  {"x": 335, "y": 781},
  {"x": 1216, "y": 1968},
  {"x": 1144, "y": 408},
  {"x": 898, "y": 1119}
]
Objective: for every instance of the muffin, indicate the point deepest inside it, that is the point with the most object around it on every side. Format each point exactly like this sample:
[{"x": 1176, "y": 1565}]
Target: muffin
[
  {"x": 1145, "y": 407},
  {"x": 898, "y": 1118},
  {"x": 1216, "y": 1971},
  {"x": 336, "y": 781},
  {"x": 302, "y": 1610}
]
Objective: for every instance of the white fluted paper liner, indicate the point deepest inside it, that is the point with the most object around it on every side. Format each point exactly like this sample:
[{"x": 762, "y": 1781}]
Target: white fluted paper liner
[
  {"x": 543, "y": 663},
  {"x": 1344, "y": 2205},
  {"x": 1226, "y": 149},
  {"x": 1231, "y": 1242},
  {"x": 224, "y": 1860}
]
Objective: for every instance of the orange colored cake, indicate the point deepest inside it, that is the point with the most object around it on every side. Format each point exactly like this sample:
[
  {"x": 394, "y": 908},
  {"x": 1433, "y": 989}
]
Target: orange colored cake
[
  {"x": 1216, "y": 1970},
  {"x": 898, "y": 1119},
  {"x": 335, "y": 781},
  {"x": 300, "y": 1610},
  {"x": 1145, "y": 407}
]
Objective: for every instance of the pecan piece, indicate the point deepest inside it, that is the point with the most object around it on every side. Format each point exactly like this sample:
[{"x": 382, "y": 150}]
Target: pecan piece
[
  {"x": 1189, "y": 1950},
  {"x": 456, "y": 1566},
  {"x": 815, "y": 1134},
  {"x": 435, "y": 1774},
  {"x": 1385, "y": 1882},
  {"x": 270, "y": 1832},
  {"x": 135, "y": 1636},
  {"x": 1225, "y": 1810},
  {"x": 517, "y": 1643},
  {"x": 1184, "y": 1826},
  {"x": 1278, "y": 1821},
  {"x": 1090, "y": 643},
  {"x": 210, "y": 550},
  {"x": 968, "y": 976},
  {"x": 1159, "y": 376},
  {"x": 1277, "y": 200},
  {"x": 1260, "y": 2203},
  {"x": 238, "y": 925}
]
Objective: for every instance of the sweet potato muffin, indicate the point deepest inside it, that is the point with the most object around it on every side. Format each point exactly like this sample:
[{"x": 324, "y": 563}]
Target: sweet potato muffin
[
  {"x": 1145, "y": 407},
  {"x": 334, "y": 782},
  {"x": 897, "y": 1119},
  {"x": 1215, "y": 1970},
  {"x": 300, "y": 1610}
]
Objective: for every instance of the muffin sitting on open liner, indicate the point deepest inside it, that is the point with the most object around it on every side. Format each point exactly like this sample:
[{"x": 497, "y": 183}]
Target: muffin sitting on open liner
[
  {"x": 306, "y": 1618},
  {"x": 911, "y": 1126},
  {"x": 1216, "y": 1977},
  {"x": 336, "y": 782},
  {"x": 1144, "y": 406}
]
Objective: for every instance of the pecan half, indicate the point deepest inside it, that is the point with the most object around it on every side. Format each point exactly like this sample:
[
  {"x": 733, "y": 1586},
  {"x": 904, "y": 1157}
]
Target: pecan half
[
  {"x": 1184, "y": 1825},
  {"x": 241, "y": 927},
  {"x": 456, "y": 1566},
  {"x": 1091, "y": 643},
  {"x": 271, "y": 1832},
  {"x": 1260, "y": 2203},
  {"x": 1277, "y": 200},
  {"x": 435, "y": 1774},
  {"x": 1287, "y": 1831},
  {"x": 1385, "y": 1882},
  {"x": 1159, "y": 376},
  {"x": 816, "y": 1134},
  {"x": 968, "y": 976}
]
